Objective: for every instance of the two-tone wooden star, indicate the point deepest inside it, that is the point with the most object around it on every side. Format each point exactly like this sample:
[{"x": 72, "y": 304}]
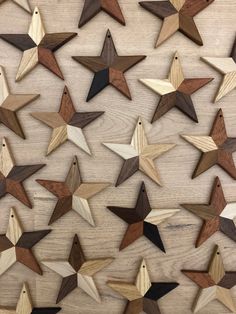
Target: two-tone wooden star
[
  {"x": 67, "y": 124},
  {"x": 109, "y": 68},
  {"x": 38, "y": 47},
  {"x": 215, "y": 283},
  {"x": 217, "y": 148},
  {"x": 142, "y": 294},
  {"x": 78, "y": 272},
  {"x": 24, "y": 4},
  {"x": 12, "y": 176},
  {"x": 175, "y": 91},
  {"x": 93, "y": 7},
  {"x": 139, "y": 155},
  {"x": 218, "y": 215},
  {"x": 10, "y": 104},
  {"x": 142, "y": 220},
  {"x": 16, "y": 245},
  {"x": 73, "y": 194},
  {"x": 25, "y": 306},
  {"x": 178, "y": 15},
  {"x": 227, "y": 67}
]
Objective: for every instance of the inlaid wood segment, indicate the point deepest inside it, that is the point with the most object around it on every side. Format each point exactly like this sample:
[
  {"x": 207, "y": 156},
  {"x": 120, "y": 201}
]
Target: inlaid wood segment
[
  {"x": 78, "y": 272},
  {"x": 217, "y": 148},
  {"x": 109, "y": 68},
  {"x": 176, "y": 91},
  {"x": 215, "y": 284},
  {"x": 38, "y": 47},
  {"x": 24, "y": 4},
  {"x": 177, "y": 15}
]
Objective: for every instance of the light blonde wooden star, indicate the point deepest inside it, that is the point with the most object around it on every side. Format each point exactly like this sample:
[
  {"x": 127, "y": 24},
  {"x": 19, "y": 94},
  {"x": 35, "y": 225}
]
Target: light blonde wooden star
[{"x": 24, "y": 4}]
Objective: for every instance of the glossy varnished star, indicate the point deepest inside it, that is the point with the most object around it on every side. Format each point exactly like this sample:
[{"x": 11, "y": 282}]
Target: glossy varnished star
[
  {"x": 178, "y": 15},
  {"x": 176, "y": 91},
  {"x": 218, "y": 215},
  {"x": 12, "y": 176},
  {"x": 215, "y": 284},
  {"x": 93, "y": 7},
  {"x": 24, "y": 4},
  {"x": 38, "y": 47},
  {"x": 139, "y": 155},
  {"x": 25, "y": 306},
  {"x": 10, "y": 104},
  {"x": 16, "y": 245},
  {"x": 73, "y": 194},
  {"x": 227, "y": 67},
  {"x": 142, "y": 220},
  {"x": 67, "y": 124},
  {"x": 78, "y": 272},
  {"x": 109, "y": 68},
  {"x": 217, "y": 148},
  {"x": 142, "y": 294}
]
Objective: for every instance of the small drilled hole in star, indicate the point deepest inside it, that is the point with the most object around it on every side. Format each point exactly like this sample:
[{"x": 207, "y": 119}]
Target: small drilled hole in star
[
  {"x": 109, "y": 36},
  {"x": 218, "y": 185},
  {"x": 221, "y": 116},
  {"x": 143, "y": 266},
  {"x": 140, "y": 123},
  {"x": 0, "y": 73},
  {"x": 76, "y": 242},
  {"x": 143, "y": 190},
  {"x": 65, "y": 93},
  {"x": 3, "y": 145},
  {"x": 36, "y": 12},
  {"x": 74, "y": 163},
  {"x": 176, "y": 58},
  {"x": 218, "y": 253},
  {"x": 23, "y": 291},
  {"x": 12, "y": 216}
]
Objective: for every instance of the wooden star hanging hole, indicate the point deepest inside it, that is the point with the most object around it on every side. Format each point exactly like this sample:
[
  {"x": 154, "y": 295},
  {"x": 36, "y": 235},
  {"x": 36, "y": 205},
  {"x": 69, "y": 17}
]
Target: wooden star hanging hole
[
  {"x": 176, "y": 91},
  {"x": 67, "y": 124},
  {"x": 142, "y": 295},
  {"x": 12, "y": 176},
  {"x": 109, "y": 68},
  {"x": 142, "y": 220},
  {"x": 93, "y": 7},
  {"x": 139, "y": 155},
  {"x": 217, "y": 148},
  {"x": 16, "y": 245},
  {"x": 38, "y": 47},
  {"x": 73, "y": 194},
  {"x": 77, "y": 272},
  {"x": 177, "y": 15},
  {"x": 215, "y": 283},
  {"x": 218, "y": 215},
  {"x": 227, "y": 67}
]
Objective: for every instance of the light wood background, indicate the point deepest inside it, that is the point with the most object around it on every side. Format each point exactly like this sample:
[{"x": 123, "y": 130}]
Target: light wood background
[{"x": 217, "y": 26}]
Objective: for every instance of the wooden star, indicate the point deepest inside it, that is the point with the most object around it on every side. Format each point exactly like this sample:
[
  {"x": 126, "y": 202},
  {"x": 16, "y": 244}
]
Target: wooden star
[
  {"x": 218, "y": 215},
  {"x": 12, "y": 176},
  {"x": 176, "y": 91},
  {"x": 217, "y": 149},
  {"x": 67, "y": 124},
  {"x": 25, "y": 306},
  {"x": 78, "y": 272},
  {"x": 16, "y": 245},
  {"x": 93, "y": 7},
  {"x": 139, "y": 155},
  {"x": 38, "y": 47},
  {"x": 142, "y": 220},
  {"x": 215, "y": 284},
  {"x": 227, "y": 67},
  {"x": 109, "y": 68},
  {"x": 178, "y": 15},
  {"x": 10, "y": 104},
  {"x": 143, "y": 294},
  {"x": 73, "y": 194},
  {"x": 24, "y": 4}
]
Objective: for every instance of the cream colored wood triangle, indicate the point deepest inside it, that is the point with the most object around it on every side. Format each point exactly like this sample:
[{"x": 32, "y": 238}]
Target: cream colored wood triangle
[
  {"x": 86, "y": 283},
  {"x": 91, "y": 267},
  {"x": 203, "y": 143},
  {"x": 139, "y": 140},
  {"x": 143, "y": 282},
  {"x": 6, "y": 158},
  {"x": 178, "y": 4},
  {"x": 161, "y": 87},
  {"x": 24, "y": 305},
  {"x": 62, "y": 268},
  {"x": 216, "y": 269},
  {"x": 127, "y": 290},
  {"x": 24, "y": 4},
  {"x": 157, "y": 216},
  {"x": 4, "y": 89},
  {"x": 14, "y": 230},
  {"x": 36, "y": 29},
  {"x": 176, "y": 75},
  {"x": 7, "y": 259},
  {"x": 28, "y": 62},
  {"x": 169, "y": 27}
]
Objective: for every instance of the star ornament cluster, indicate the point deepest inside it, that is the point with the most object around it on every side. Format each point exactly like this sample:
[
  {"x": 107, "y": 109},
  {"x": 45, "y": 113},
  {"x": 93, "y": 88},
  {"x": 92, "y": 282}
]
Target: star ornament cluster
[
  {"x": 38, "y": 47},
  {"x": 215, "y": 283},
  {"x": 139, "y": 155},
  {"x": 176, "y": 91},
  {"x": 177, "y": 15},
  {"x": 142, "y": 295},
  {"x": 67, "y": 124}
]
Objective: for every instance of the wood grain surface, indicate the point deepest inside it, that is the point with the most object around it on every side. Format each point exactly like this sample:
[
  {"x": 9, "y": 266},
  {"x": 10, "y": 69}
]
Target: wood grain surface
[{"x": 216, "y": 25}]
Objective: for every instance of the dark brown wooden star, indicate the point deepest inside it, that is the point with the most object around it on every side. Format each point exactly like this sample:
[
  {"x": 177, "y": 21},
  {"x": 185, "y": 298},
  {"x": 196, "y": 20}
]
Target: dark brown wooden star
[
  {"x": 16, "y": 245},
  {"x": 217, "y": 149},
  {"x": 12, "y": 176},
  {"x": 109, "y": 68},
  {"x": 93, "y": 7},
  {"x": 215, "y": 283},
  {"x": 142, "y": 220},
  {"x": 178, "y": 15},
  {"x": 218, "y": 215},
  {"x": 38, "y": 47}
]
